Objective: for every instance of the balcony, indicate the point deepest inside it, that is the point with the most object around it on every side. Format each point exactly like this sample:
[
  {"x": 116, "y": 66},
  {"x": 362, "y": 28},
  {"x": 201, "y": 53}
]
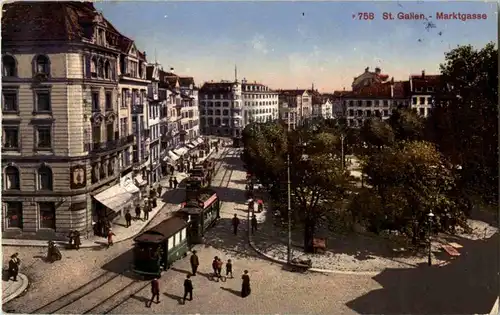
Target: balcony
[{"x": 109, "y": 145}]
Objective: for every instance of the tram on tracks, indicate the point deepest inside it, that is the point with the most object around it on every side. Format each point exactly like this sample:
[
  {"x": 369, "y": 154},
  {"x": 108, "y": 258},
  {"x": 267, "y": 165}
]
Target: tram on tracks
[
  {"x": 202, "y": 212},
  {"x": 158, "y": 248}
]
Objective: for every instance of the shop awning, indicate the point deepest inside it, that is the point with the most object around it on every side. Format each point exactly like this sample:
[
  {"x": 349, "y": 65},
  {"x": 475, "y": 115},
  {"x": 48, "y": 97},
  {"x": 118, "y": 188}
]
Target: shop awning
[
  {"x": 115, "y": 197},
  {"x": 191, "y": 145},
  {"x": 140, "y": 181},
  {"x": 181, "y": 151},
  {"x": 171, "y": 156}
]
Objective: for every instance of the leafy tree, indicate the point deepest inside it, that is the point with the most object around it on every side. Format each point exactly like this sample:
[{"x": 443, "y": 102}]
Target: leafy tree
[
  {"x": 464, "y": 122},
  {"x": 407, "y": 124},
  {"x": 377, "y": 132},
  {"x": 411, "y": 179},
  {"x": 317, "y": 177}
]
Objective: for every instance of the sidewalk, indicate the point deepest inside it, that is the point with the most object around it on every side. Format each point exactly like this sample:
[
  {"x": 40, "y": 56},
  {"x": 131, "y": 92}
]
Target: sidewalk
[
  {"x": 12, "y": 289},
  {"x": 119, "y": 228}
]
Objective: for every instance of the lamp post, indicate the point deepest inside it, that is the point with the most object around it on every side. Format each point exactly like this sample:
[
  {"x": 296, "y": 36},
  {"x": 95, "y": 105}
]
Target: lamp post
[
  {"x": 289, "y": 197},
  {"x": 342, "y": 138},
  {"x": 430, "y": 215}
]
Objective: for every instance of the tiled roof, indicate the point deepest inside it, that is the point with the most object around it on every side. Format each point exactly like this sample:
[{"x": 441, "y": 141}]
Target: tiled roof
[
  {"x": 424, "y": 81},
  {"x": 186, "y": 81},
  {"x": 216, "y": 87},
  {"x": 402, "y": 89},
  {"x": 172, "y": 81},
  {"x": 34, "y": 21},
  {"x": 292, "y": 92}
]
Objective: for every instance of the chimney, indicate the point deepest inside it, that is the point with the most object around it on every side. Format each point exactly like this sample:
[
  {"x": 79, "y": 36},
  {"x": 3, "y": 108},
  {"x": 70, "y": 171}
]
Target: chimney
[
  {"x": 377, "y": 70},
  {"x": 392, "y": 81},
  {"x": 367, "y": 69}
]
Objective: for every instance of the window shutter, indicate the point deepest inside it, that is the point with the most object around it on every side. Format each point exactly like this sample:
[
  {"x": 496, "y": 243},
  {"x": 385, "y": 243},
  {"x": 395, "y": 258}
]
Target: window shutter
[{"x": 87, "y": 66}]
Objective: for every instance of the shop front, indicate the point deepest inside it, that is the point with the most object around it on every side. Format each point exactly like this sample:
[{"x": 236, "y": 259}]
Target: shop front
[{"x": 113, "y": 202}]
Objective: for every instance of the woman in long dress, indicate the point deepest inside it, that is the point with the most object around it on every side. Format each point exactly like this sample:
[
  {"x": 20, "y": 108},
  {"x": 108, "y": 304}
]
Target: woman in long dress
[{"x": 245, "y": 285}]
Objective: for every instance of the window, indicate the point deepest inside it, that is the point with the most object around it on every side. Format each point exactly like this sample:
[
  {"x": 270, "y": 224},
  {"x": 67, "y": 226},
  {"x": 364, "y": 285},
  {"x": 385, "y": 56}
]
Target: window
[
  {"x": 368, "y": 103},
  {"x": 14, "y": 214},
  {"x": 360, "y": 103},
  {"x": 44, "y": 137},
  {"x": 386, "y": 103},
  {"x": 47, "y": 212},
  {"x": 9, "y": 101},
  {"x": 171, "y": 242},
  {"x": 123, "y": 127},
  {"x": 107, "y": 70},
  {"x": 133, "y": 69},
  {"x": 414, "y": 101},
  {"x": 110, "y": 132},
  {"x": 217, "y": 112},
  {"x": 109, "y": 101},
  {"x": 42, "y": 64},
  {"x": 9, "y": 66},
  {"x": 11, "y": 138},
  {"x": 430, "y": 89},
  {"x": 43, "y": 101},
  {"x": 93, "y": 67},
  {"x": 421, "y": 100},
  {"x": 12, "y": 180},
  {"x": 100, "y": 68},
  {"x": 422, "y": 111},
  {"x": 386, "y": 113},
  {"x": 225, "y": 112},
  {"x": 183, "y": 234},
  {"x": 95, "y": 102},
  {"x": 44, "y": 178}
]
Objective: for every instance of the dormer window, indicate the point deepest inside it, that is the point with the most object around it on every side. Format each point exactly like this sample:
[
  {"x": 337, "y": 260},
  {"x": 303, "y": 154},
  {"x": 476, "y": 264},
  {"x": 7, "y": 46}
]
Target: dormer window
[
  {"x": 430, "y": 89},
  {"x": 101, "y": 37},
  {"x": 42, "y": 64}
]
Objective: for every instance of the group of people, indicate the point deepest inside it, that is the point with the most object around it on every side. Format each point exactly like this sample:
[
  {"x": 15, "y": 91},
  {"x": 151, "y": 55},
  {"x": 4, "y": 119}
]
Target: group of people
[
  {"x": 235, "y": 222},
  {"x": 74, "y": 239}
]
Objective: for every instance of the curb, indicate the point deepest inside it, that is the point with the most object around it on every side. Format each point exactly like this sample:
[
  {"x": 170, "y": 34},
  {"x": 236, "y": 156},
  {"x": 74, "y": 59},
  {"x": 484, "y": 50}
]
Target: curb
[
  {"x": 317, "y": 270},
  {"x": 19, "y": 291}
]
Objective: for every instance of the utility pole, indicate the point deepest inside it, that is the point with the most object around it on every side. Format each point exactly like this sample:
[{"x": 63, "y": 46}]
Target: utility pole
[
  {"x": 342, "y": 137},
  {"x": 289, "y": 247}
]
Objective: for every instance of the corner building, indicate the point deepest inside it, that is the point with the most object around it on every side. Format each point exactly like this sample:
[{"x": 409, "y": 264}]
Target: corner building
[{"x": 63, "y": 143}]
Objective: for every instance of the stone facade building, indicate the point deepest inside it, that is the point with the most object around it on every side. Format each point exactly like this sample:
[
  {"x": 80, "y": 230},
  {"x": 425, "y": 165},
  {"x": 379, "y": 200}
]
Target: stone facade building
[
  {"x": 65, "y": 138},
  {"x": 295, "y": 106}
]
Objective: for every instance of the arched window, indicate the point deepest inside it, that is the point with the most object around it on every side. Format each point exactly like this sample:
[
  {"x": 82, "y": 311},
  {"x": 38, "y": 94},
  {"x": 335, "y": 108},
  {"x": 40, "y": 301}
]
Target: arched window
[
  {"x": 217, "y": 112},
  {"x": 100, "y": 68},
  {"x": 9, "y": 66},
  {"x": 42, "y": 64},
  {"x": 93, "y": 67},
  {"x": 225, "y": 112},
  {"x": 107, "y": 70},
  {"x": 12, "y": 181},
  {"x": 44, "y": 178}
]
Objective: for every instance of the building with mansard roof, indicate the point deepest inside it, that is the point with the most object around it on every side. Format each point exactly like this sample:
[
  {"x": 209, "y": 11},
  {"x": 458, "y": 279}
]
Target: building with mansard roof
[
  {"x": 70, "y": 83},
  {"x": 423, "y": 89}
]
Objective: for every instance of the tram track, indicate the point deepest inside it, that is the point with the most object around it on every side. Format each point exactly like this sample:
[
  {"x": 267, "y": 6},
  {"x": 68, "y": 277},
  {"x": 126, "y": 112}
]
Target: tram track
[{"x": 109, "y": 290}]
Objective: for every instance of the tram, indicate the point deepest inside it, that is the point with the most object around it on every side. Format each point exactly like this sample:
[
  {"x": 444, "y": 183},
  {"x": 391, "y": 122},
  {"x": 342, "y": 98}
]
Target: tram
[
  {"x": 159, "y": 247},
  {"x": 201, "y": 212}
]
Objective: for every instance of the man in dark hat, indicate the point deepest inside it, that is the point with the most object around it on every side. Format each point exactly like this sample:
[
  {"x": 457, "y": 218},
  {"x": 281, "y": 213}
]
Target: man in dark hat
[
  {"x": 128, "y": 218},
  {"x": 137, "y": 212},
  {"x": 235, "y": 222},
  {"x": 254, "y": 223},
  {"x": 155, "y": 292},
  {"x": 195, "y": 262},
  {"x": 188, "y": 289},
  {"x": 14, "y": 263}
]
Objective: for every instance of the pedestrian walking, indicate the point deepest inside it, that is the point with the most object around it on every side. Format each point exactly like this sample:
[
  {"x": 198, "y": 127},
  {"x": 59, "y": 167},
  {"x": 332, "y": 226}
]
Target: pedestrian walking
[
  {"x": 254, "y": 223},
  {"x": 14, "y": 264},
  {"x": 175, "y": 182},
  {"x": 195, "y": 262},
  {"x": 219, "y": 268},
  {"x": 128, "y": 218},
  {"x": 229, "y": 268},
  {"x": 155, "y": 292},
  {"x": 71, "y": 236},
  {"x": 159, "y": 190},
  {"x": 245, "y": 284},
  {"x": 171, "y": 182},
  {"x": 215, "y": 265},
  {"x": 235, "y": 222},
  {"x": 110, "y": 237},
  {"x": 138, "y": 212},
  {"x": 188, "y": 289},
  {"x": 172, "y": 170},
  {"x": 77, "y": 240},
  {"x": 260, "y": 205},
  {"x": 146, "y": 210}
]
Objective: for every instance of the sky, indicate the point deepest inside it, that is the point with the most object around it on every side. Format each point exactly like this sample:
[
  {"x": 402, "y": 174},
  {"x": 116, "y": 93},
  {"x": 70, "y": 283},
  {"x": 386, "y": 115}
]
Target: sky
[{"x": 297, "y": 44}]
